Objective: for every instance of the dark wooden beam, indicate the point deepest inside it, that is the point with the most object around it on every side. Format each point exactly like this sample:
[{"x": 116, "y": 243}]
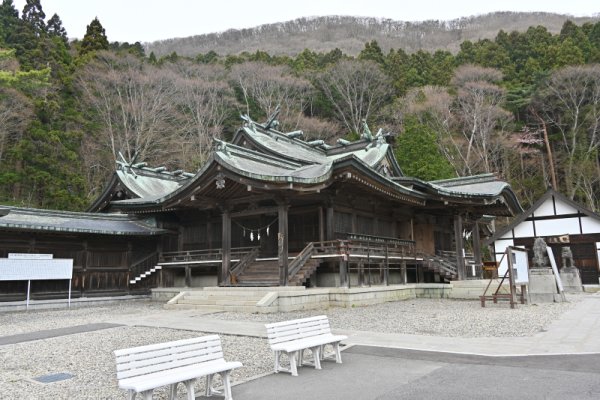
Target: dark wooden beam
[
  {"x": 257, "y": 211},
  {"x": 282, "y": 243},
  {"x": 458, "y": 241},
  {"x": 226, "y": 247}
]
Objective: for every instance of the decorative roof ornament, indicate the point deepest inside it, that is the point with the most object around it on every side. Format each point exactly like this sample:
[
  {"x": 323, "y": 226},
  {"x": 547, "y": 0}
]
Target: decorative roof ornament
[
  {"x": 366, "y": 131},
  {"x": 272, "y": 121},
  {"x": 220, "y": 181}
]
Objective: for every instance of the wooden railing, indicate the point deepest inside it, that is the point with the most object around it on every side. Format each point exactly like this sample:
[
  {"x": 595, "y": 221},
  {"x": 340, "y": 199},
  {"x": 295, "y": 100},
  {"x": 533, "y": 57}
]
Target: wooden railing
[
  {"x": 301, "y": 259},
  {"x": 142, "y": 265},
  {"x": 241, "y": 265},
  {"x": 190, "y": 256}
]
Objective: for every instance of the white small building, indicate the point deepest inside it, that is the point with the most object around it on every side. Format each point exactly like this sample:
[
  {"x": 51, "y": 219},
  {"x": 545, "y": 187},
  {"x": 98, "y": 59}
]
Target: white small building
[{"x": 561, "y": 222}]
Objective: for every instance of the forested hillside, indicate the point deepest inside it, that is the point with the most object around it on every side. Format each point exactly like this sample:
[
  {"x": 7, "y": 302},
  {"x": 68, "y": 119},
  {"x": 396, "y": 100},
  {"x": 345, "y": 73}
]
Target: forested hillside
[
  {"x": 523, "y": 105},
  {"x": 349, "y": 34}
]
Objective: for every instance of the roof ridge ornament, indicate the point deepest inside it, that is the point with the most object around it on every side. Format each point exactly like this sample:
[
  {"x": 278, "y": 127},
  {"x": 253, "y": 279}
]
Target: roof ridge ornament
[
  {"x": 272, "y": 120},
  {"x": 366, "y": 131}
]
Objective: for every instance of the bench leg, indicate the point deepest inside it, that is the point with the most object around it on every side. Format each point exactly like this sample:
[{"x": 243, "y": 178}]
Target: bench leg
[
  {"x": 293, "y": 363},
  {"x": 300, "y": 357},
  {"x": 210, "y": 390},
  {"x": 226, "y": 385},
  {"x": 130, "y": 394},
  {"x": 277, "y": 360},
  {"x": 189, "y": 385},
  {"x": 316, "y": 351},
  {"x": 147, "y": 394},
  {"x": 173, "y": 391},
  {"x": 338, "y": 354}
]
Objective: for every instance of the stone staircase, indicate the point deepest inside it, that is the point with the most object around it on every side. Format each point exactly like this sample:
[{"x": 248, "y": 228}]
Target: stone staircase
[
  {"x": 444, "y": 264},
  {"x": 217, "y": 299},
  {"x": 266, "y": 273}
]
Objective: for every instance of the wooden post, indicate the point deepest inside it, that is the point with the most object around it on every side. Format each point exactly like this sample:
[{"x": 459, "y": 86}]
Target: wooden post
[
  {"x": 282, "y": 244},
  {"x": 361, "y": 273},
  {"x": 321, "y": 224},
  {"x": 386, "y": 271},
  {"x": 403, "y": 272},
  {"x": 477, "y": 249},
  {"x": 458, "y": 240},
  {"x": 226, "y": 247},
  {"x": 344, "y": 281},
  {"x": 330, "y": 221},
  {"x": 86, "y": 263}
]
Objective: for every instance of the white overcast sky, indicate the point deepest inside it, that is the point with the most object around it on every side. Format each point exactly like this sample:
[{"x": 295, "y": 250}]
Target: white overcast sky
[{"x": 149, "y": 20}]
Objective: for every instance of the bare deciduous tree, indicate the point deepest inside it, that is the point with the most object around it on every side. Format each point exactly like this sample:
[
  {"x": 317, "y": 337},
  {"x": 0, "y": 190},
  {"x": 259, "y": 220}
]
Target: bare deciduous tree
[
  {"x": 569, "y": 101},
  {"x": 16, "y": 112},
  {"x": 357, "y": 90},
  {"x": 480, "y": 117},
  {"x": 134, "y": 103},
  {"x": 269, "y": 86},
  {"x": 204, "y": 101}
]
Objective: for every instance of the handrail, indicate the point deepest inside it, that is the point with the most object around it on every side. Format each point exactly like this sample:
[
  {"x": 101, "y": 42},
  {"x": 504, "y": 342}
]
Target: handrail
[
  {"x": 241, "y": 265},
  {"x": 143, "y": 265},
  {"x": 301, "y": 259},
  {"x": 201, "y": 255}
]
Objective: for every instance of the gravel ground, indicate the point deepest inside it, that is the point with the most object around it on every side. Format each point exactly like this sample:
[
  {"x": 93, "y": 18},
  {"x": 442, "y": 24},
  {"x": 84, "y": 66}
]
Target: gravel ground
[
  {"x": 432, "y": 317},
  {"x": 88, "y": 356}
]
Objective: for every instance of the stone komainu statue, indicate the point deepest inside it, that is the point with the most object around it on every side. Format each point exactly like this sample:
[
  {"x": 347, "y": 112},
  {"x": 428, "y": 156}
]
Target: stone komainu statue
[
  {"x": 567, "y": 258},
  {"x": 540, "y": 254}
]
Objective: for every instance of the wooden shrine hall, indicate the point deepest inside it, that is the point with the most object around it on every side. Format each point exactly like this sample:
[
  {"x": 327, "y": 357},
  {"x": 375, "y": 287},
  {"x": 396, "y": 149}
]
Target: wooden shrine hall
[{"x": 271, "y": 209}]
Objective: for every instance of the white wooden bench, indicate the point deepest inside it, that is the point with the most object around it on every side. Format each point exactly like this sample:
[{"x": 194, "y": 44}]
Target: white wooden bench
[
  {"x": 295, "y": 336},
  {"x": 142, "y": 369}
]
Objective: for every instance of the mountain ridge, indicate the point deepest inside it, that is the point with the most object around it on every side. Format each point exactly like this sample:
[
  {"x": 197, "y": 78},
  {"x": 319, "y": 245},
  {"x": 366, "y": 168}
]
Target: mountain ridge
[{"x": 349, "y": 34}]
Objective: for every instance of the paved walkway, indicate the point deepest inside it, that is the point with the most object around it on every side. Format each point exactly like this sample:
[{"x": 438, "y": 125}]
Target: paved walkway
[{"x": 576, "y": 332}]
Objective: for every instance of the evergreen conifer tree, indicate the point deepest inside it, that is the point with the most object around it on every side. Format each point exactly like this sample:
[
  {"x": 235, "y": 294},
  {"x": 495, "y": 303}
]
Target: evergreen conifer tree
[
  {"x": 55, "y": 28},
  {"x": 9, "y": 19},
  {"x": 94, "y": 39},
  {"x": 34, "y": 16}
]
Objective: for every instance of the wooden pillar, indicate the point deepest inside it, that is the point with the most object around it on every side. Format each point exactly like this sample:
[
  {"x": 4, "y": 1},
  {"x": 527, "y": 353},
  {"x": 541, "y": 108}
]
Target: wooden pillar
[
  {"x": 282, "y": 243},
  {"x": 344, "y": 281},
  {"x": 361, "y": 273},
  {"x": 159, "y": 247},
  {"x": 403, "y": 272},
  {"x": 330, "y": 222},
  {"x": 225, "y": 248},
  {"x": 86, "y": 262},
  {"x": 477, "y": 249},
  {"x": 386, "y": 271},
  {"x": 458, "y": 241},
  {"x": 321, "y": 224}
]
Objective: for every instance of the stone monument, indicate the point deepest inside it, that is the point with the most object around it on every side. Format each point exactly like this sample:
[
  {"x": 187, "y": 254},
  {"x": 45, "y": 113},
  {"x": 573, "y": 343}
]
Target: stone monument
[
  {"x": 569, "y": 274},
  {"x": 542, "y": 283}
]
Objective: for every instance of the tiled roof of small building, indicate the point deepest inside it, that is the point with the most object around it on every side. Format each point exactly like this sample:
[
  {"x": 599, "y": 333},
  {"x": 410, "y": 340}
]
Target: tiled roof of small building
[{"x": 27, "y": 219}]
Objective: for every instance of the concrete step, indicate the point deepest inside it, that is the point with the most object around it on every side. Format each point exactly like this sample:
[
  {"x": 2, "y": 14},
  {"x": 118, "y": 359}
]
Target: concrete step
[
  {"x": 193, "y": 307},
  {"x": 217, "y": 302}
]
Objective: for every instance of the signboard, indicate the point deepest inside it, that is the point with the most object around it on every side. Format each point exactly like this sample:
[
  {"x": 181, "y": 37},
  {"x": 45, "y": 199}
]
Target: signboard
[
  {"x": 520, "y": 263},
  {"x": 29, "y": 256},
  {"x": 25, "y": 270}
]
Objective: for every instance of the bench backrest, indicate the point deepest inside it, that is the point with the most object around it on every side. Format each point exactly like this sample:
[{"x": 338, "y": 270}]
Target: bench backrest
[
  {"x": 144, "y": 360},
  {"x": 281, "y": 332}
]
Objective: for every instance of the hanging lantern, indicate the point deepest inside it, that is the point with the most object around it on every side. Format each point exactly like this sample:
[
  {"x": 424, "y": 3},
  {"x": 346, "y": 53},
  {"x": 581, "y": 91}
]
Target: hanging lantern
[
  {"x": 267, "y": 231},
  {"x": 251, "y": 236}
]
